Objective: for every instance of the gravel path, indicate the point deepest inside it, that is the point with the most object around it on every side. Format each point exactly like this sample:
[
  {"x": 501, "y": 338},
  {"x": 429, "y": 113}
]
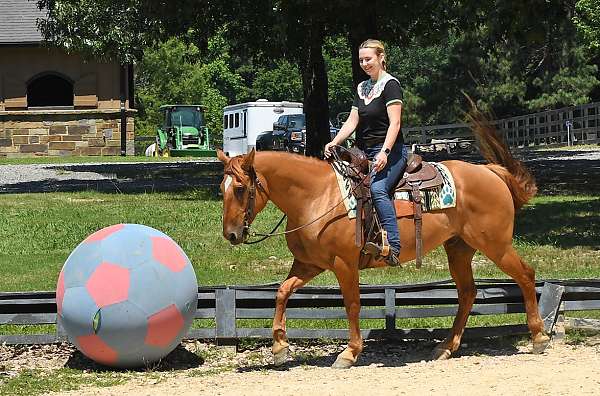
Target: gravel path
[
  {"x": 575, "y": 155},
  {"x": 13, "y": 174},
  {"x": 126, "y": 177},
  {"x": 17, "y": 174}
]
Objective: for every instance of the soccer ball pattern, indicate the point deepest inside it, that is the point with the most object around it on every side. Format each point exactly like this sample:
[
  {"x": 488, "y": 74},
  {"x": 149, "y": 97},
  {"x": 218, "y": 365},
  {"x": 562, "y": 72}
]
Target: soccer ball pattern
[{"x": 126, "y": 295}]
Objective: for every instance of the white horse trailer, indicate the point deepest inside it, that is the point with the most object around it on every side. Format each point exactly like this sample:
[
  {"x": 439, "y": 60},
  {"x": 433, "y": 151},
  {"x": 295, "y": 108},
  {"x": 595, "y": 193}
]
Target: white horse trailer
[{"x": 243, "y": 122}]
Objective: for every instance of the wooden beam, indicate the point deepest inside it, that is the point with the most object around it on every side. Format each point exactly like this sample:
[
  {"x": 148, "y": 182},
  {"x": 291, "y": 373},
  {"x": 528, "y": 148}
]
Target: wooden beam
[{"x": 549, "y": 303}]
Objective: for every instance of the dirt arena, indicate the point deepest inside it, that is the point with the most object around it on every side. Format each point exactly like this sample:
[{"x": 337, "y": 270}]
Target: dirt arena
[{"x": 484, "y": 368}]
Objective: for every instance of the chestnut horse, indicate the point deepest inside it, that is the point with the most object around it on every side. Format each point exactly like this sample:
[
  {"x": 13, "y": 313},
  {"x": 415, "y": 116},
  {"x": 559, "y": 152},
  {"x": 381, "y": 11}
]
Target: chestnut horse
[{"x": 306, "y": 188}]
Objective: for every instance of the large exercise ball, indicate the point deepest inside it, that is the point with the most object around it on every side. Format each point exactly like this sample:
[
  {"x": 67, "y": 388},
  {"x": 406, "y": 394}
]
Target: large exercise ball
[{"x": 127, "y": 295}]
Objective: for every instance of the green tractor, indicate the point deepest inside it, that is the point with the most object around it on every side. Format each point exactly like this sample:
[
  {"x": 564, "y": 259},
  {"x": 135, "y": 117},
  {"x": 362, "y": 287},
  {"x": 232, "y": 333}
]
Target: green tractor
[{"x": 184, "y": 132}]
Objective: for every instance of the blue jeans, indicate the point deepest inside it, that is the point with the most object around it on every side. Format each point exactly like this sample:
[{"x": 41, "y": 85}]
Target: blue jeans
[{"x": 382, "y": 188}]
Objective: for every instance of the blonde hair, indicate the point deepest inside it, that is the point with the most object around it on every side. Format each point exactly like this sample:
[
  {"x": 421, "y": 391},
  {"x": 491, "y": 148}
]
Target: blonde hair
[{"x": 378, "y": 47}]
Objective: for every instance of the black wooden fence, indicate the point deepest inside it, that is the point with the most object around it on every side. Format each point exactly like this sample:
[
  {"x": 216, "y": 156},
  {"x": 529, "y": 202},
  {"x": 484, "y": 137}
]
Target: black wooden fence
[
  {"x": 568, "y": 125},
  {"x": 227, "y": 305}
]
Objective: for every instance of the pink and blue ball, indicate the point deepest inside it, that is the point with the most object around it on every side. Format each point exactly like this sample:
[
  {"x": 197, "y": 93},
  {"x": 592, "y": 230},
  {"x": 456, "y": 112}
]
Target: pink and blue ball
[{"x": 127, "y": 295}]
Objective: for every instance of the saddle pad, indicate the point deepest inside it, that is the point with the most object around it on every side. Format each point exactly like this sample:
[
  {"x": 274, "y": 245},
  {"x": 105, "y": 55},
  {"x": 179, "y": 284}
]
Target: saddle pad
[
  {"x": 439, "y": 198},
  {"x": 345, "y": 188}
]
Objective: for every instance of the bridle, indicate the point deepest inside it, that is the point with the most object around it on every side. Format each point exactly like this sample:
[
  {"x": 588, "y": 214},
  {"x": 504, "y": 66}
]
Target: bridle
[
  {"x": 251, "y": 204},
  {"x": 249, "y": 210}
]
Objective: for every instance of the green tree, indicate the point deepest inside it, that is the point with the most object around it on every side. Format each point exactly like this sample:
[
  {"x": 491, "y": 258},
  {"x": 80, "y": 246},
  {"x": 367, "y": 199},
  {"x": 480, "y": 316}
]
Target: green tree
[
  {"x": 512, "y": 56},
  {"x": 587, "y": 20},
  {"x": 281, "y": 82},
  {"x": 297, "y": 28},
  {"x": 176, "y": 73}
]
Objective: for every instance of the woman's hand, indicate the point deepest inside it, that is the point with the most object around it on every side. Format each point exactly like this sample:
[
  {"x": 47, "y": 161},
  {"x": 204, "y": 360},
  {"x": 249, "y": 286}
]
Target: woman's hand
[
  {"x": 380, "y": 161},
  {"x": 327, "y": 150}
]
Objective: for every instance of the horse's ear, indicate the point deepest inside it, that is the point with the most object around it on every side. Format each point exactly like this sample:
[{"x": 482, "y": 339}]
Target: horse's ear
[
  {"x": 249, "y": 160},
  {"x": 223, "y": 157}
]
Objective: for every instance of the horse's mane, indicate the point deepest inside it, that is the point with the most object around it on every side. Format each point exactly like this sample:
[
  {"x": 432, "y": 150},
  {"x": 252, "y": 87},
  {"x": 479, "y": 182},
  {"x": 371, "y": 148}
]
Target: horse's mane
[{"x": 295, "y": 160}]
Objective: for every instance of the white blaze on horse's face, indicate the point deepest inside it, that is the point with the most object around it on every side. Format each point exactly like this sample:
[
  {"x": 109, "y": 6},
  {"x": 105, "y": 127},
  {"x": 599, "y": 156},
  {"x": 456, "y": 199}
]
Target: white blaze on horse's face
[
  {"x": 233, "y": 209},
  {"x": 226, "y": 184},
  {"x": 228, "y": 181}
]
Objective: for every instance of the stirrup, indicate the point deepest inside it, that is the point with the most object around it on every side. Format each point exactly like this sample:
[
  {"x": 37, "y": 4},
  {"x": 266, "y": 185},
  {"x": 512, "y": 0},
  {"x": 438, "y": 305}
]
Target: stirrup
[{"x": 376, "y": 252}]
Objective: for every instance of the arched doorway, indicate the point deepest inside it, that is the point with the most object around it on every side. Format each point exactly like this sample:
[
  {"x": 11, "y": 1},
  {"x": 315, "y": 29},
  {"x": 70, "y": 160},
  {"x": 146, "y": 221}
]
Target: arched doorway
[{"x": 49, "y": 90}]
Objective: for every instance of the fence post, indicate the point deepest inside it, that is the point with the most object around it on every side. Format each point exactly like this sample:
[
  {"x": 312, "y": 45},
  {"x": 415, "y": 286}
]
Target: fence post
[
  {"x": 61, "y": 333},
  {"x": 390, "y": 311},
  {"x": 226, "y": 334},
  {"x": 549, "y": 304}
]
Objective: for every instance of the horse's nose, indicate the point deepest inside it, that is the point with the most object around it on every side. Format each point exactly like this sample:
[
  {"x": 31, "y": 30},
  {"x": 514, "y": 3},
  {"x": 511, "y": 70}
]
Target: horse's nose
[{"x": 232, "y": 238}]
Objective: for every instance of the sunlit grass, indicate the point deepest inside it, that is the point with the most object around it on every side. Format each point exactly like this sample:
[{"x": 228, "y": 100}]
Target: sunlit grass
[{"x": 558, "y": 236}]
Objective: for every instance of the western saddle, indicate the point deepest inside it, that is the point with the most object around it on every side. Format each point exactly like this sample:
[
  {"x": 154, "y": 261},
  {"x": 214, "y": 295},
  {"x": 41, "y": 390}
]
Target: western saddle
[{"x": 418, "y": 175}]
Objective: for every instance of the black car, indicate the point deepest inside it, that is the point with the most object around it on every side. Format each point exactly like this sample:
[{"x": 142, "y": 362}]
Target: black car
[
  {"x": 264, "y": 141},
  {"x": 289, "y": 133}
]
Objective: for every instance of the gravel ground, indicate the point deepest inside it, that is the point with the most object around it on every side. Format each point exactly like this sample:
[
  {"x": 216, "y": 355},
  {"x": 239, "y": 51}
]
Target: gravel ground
[
  {"x": 576, "y": 155},
  {"x": 24, "y": 174},
  {"x": 13, "y": 174},
  {"x": 401, "y": 368}
]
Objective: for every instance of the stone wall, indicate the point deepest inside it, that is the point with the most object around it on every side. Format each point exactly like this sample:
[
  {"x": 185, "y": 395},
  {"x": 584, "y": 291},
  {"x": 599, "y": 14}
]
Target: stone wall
[{"x": 63, "y": 132}]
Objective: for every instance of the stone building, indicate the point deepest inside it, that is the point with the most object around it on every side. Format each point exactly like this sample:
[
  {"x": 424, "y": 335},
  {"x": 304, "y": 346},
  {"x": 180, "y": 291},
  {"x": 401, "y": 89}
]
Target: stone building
[{"x": 54, "y": 103}]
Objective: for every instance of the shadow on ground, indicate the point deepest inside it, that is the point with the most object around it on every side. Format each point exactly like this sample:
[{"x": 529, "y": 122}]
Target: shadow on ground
[
  {"x": 396, "y": 354},
  {"x": 179, "y": 359},
  {"x": 572, "y": 176},
  {"x": 563, "y": 224}
]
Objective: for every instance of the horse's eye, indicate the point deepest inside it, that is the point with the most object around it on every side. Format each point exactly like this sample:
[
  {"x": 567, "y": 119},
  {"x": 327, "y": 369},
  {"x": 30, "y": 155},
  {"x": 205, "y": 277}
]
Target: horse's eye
[{"x": 239, "y": 191}]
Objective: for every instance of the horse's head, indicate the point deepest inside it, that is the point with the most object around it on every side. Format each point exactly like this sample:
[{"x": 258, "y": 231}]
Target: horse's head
[{"x": 241, "y": 201}]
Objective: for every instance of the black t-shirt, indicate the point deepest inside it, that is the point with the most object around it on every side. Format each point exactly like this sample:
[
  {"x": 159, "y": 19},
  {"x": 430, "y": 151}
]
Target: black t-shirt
[{"x": 371, "y": 101}]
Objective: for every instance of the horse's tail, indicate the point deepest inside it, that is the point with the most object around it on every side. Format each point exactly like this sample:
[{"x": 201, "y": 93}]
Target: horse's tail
[{"x": 520, "y": 182}]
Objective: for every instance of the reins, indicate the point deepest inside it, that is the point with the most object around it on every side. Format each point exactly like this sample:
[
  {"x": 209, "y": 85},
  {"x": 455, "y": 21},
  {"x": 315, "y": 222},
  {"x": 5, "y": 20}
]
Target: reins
[{"x": 273, "y": 233}]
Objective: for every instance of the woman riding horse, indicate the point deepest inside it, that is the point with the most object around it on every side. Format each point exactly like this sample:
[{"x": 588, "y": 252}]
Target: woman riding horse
[
  {"x": 376, "y": 115},
  {"x": 482, "y": 220}
]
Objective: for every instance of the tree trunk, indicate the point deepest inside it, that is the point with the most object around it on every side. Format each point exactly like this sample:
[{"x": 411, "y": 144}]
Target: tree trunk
[
  {"x": 363, "y": 27},
  {"x": 314, "y": 82}
]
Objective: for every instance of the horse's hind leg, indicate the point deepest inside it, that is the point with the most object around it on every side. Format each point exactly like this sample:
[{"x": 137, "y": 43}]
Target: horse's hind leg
[
  {"x": 511, "y": 263},
  {"x": 459, "y": 261},
  {"x": 300, "y": 274}
]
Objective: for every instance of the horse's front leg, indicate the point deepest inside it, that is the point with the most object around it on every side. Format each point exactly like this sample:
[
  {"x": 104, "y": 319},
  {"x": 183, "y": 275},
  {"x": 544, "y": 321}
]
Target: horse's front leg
[
  {"x": 347, "y": 276},
  {"x": 300, "y": 274}
]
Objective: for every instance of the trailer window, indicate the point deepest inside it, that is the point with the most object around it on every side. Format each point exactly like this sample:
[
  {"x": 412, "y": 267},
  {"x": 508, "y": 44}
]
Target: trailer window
[
  {"x": 237, "y": 120},
  {"x": 225, "y": 121},
  {"x": 230, "y": 120}
]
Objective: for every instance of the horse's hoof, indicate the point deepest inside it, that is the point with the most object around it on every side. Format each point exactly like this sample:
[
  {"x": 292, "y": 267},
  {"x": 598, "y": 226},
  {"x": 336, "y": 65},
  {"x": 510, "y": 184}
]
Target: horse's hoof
[
  {"x": 540, "y": 343},
  {"x": 441, "y": 354},
  {"x": 342, "y": 363},
  {"x": 281, "y": 357}
]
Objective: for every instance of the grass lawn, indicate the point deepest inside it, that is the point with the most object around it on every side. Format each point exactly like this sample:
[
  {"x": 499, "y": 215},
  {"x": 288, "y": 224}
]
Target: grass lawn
[{"x": 559, "y": 236}]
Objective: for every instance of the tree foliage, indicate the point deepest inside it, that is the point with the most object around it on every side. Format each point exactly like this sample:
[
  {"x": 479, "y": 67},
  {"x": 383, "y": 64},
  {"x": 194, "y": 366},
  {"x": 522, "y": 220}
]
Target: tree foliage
[
  {"x": 176, "y": 73},
  {"x": 280, "y": 81},
  {"x": 587, "y": 20},
  {"x": 511, "y": 56}
]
